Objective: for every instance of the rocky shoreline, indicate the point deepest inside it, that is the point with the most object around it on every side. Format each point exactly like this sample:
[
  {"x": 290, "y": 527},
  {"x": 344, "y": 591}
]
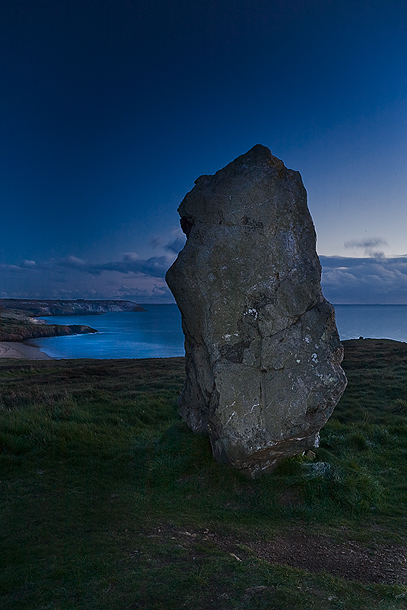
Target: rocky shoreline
[
  {"x": 16, "y": 325},
  {"x": 18, "y": 316},
  {"x": 22, "y": 330}
]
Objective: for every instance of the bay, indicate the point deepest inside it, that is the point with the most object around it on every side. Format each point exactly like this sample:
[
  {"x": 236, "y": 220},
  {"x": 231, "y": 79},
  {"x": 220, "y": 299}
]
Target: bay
[{"x": 157, "y": 333}]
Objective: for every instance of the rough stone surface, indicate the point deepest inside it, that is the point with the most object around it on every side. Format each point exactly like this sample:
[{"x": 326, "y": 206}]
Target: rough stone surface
[{"x": 263, "y": 354}]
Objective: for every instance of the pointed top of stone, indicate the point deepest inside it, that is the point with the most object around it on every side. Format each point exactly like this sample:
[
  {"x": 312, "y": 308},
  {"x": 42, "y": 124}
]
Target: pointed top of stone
[
  {"x": 258, "y": 157},
  {"x": 242, "y": 190}
]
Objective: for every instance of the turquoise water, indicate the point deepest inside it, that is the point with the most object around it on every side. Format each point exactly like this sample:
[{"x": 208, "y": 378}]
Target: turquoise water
[{"x": 157, "y": 333}]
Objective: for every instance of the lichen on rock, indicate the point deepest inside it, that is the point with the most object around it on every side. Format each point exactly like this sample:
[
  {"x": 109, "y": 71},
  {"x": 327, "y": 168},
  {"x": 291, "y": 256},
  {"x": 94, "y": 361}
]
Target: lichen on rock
[{"x": 263, "y": 353}]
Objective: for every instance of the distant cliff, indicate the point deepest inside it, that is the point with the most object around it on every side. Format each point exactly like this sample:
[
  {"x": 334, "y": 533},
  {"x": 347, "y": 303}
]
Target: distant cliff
[
  {"x": 46, "y": 307},
  {"x": 21, "y": 329}
]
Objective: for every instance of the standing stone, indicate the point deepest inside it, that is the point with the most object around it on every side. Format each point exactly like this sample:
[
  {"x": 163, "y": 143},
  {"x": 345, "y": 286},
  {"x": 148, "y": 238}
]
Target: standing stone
[{"x": 263, "y": 354}]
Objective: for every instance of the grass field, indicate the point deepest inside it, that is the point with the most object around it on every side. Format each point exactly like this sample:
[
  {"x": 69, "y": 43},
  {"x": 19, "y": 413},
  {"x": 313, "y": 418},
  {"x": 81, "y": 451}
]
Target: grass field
[{"x": 108, "y": 501}]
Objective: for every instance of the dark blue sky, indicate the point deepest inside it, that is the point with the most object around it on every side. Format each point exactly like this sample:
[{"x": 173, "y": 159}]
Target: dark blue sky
[{"x": 109, "y": 110}]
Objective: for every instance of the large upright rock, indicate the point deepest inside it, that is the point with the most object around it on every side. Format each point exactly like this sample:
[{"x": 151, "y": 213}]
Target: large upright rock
[{"x": 262, "y": 350}]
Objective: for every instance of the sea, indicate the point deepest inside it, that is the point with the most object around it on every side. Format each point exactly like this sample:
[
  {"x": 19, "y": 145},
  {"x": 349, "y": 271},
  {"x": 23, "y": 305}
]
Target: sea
[{"x": 157, "y": 332}]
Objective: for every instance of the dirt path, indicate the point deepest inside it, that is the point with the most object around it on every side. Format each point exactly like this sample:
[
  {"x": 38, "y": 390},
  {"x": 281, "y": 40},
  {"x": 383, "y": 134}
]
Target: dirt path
[{"x": 312, "y": 552}]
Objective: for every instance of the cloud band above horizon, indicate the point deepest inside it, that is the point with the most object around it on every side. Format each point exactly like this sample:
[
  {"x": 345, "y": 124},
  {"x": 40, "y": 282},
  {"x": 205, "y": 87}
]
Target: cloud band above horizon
[{"x": 351, "y": 280}]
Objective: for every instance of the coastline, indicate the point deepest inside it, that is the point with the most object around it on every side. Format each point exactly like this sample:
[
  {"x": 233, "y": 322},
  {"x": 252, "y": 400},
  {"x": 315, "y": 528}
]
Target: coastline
[{"x": 20, "y": 351}]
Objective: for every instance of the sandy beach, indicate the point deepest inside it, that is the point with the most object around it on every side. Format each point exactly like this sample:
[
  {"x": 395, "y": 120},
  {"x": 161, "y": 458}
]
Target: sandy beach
[{"x": 12, "y": 349}]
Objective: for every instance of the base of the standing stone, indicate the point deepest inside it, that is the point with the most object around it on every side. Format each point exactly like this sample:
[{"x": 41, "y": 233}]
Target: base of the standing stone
[{"x": 268, "y": 459}]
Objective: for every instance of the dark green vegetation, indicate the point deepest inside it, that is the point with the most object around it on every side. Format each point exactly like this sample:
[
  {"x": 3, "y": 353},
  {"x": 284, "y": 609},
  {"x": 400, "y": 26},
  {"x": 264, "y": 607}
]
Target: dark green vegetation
[
  {"x": 109, "y": 501},
  {"x": 16, "y": 325}
]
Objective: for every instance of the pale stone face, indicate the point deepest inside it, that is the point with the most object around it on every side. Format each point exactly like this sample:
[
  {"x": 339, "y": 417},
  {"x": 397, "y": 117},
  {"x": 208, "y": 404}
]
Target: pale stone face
[{"x": 262, "y": 350}]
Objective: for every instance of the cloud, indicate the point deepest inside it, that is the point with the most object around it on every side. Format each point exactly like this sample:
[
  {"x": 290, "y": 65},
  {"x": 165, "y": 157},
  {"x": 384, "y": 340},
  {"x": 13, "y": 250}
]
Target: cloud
[
  {"x": 174, "y": 243},
  {"x": 364, "y": 280},
  {"x": 73, "y": 277},
  {"x": 28, "y": 264},
  {"x": 369, "y": 246},
  {"x": 72, "y": 262},
  {"x": 344, "y": 279},
  {"x": 372, "y": 242},
  {"x": 5, "y": 267},
  {"x": 156, "y": 266},
  {"x": 131, "y": 262}
]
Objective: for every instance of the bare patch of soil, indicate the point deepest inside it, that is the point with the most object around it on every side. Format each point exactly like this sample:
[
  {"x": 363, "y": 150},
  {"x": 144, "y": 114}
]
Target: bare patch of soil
[{"x": 312, "y": 552}]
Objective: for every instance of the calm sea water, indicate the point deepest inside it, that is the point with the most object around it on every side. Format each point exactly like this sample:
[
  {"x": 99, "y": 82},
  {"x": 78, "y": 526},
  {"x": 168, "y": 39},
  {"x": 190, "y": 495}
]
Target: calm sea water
[
  {"x": 157, "y": 333},
  {"x": 372, "y": 321}
]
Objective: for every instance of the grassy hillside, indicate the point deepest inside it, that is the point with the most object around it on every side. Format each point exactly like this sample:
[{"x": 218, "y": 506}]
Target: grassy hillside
[{"x": 109, "y": 501}]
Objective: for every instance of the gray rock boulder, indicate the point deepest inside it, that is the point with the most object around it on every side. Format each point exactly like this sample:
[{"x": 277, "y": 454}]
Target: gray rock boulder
[{"x": 263, "y": 354}]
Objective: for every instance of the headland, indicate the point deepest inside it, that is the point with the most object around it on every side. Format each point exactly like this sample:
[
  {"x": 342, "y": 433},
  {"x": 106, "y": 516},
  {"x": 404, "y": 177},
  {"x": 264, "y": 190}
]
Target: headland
[
  {"x": 68, "y": 307},
  {"x": 18, "y": 322}
]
